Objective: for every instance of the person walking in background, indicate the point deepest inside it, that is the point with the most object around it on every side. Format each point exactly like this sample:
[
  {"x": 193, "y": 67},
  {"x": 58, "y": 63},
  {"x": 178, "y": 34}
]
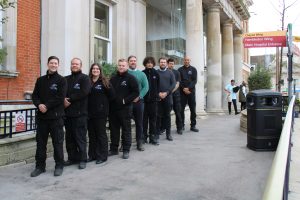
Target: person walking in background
[
  {"x": 127, "y": 90},
  {"x": 242, "y": 95},
  {"x": 76, "y": 108},
  {"x": 151, "y": 99},
  {"x": 166, "y": 86},
  {"x": 98, "y": 109},
  {"x": 176, "y": 96},
  {"x": 48, "y": 96},
  {"x": 188, "y": 82},
  {"x": 231, "y": 96},
  {"x": 138, "y": 103}
]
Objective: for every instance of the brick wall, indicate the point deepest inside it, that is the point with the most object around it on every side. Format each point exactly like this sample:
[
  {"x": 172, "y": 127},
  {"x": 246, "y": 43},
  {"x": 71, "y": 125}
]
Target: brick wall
[{"x": 28, "y": 52}]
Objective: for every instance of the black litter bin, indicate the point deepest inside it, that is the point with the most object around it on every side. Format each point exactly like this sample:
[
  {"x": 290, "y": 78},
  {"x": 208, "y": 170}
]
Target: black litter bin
[{"x": 264, "y": 120}]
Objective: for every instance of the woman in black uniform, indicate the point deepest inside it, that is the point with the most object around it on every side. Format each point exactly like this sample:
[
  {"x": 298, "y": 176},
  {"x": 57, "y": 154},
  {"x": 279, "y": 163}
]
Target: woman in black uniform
[{"x": 98, "y": 109}]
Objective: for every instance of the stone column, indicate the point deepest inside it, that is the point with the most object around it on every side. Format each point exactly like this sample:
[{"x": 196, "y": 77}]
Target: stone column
[
  {"x": 194, "y": 47},
  {"x": 227, "y": 58},
  {"x": 238, "y": 65},
  {"x": 214, "y": 70}
]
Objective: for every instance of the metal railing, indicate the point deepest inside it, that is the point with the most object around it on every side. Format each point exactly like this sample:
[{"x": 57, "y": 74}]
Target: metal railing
[
  {"x": 9, "y": 123},
  {"x": 277, "y": 186}
]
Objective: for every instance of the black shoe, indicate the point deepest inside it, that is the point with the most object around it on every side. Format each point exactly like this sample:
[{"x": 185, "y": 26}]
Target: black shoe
[
  {"x": 162, "y": 131},
  {"x": 125, "y": 155},
  {"x": 140, "y": 147},
  {"x": 58, "y": 171},
  {"x": 145, "y": 141},
  {"x": 90, "y": 159},
  {"x": 112, "y": 153},
  {"x": 194, "y": 129},
  {"x": 100, "y": 161},
  {"x": 82, "y": 165},
  {"x": 183, "y": 128},
  {"x": 169, "y": 137},
  {"x": 179, "y": 131},
  {"x": 237, "y": 113},
  {"x": 121, "y": 148},
  {"x": 69, "y": 162},
  {"x": 37, "y": 172},
  {"x": 154, "y": 142}
]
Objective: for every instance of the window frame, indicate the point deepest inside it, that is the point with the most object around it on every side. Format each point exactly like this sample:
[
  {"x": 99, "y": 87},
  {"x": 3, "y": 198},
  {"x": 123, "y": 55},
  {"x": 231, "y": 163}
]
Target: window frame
[{"x": 98, "y": 37}]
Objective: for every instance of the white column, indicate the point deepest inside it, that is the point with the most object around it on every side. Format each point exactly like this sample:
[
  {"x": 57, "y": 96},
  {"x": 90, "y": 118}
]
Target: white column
[
  {"x": 238, "y": 65},
  {"x": 65, "y": 34},
  {"x": 227, "y": 58},
  {"x": 194, "y": 47},
  {"x": 129, "y": 32},
  {"x": 214, "y": 71}
]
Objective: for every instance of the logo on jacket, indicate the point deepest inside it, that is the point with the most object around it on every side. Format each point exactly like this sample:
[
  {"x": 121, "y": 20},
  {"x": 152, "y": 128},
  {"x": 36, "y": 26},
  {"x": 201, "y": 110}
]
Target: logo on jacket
[
  {"x": 124, "y": 83},
  {"x": 77, "y": 86},
  {"x": 190, "y": 73},
  {"x": 154, "y": 77},
  {"x": 53, "y": 86},
  {"x": 98, "y": 87}
]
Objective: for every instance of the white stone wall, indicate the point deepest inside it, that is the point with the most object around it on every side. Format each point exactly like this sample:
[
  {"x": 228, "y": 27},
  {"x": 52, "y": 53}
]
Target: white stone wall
[{"x": 65, "y": 33}]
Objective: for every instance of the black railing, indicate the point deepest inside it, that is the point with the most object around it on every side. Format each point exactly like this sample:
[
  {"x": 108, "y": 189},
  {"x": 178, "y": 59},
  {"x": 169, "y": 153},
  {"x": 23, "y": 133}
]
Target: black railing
[{"x": 24, "y": 122}]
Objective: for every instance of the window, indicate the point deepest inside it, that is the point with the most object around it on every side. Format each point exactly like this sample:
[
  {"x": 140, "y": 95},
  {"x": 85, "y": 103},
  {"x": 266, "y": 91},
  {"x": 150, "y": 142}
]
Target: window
[
  {"x": 102, "y": 34},
  {"x": 8, "y": 34}
]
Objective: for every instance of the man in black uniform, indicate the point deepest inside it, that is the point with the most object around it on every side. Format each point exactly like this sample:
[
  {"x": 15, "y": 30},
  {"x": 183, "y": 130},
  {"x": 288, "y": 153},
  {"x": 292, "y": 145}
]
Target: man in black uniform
[
  {"x": 48, "y": 96},
  {"x": 126, "y": 89},
  {"x": 166, "y": 86},
  {"x": 76, "y": 104},
  {"x": 151, "y": 98},
  {"x": 176, "y": 96},
  {"x": 188, "y": 81}
]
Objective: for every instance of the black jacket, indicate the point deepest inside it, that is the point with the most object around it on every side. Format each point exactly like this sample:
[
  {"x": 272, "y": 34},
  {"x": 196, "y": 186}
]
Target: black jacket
[
  {"x": 126, "y": 88},
  {"x": 79, "y": 86},
  {"x": 99, "y": 97},
  {"x": 188, "y": 77},
  {"x": 153, "y": 80},
  {"x": 50, "y": 90}
]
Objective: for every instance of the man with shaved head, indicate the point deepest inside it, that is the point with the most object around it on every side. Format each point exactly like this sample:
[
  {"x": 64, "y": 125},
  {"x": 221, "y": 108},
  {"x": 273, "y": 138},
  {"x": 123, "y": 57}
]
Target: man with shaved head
[{"x": 188, "y": 82}]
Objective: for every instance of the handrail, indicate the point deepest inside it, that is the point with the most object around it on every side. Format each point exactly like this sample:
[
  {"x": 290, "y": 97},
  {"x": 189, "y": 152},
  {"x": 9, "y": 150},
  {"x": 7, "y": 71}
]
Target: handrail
[{"x": 278, "y": 176}]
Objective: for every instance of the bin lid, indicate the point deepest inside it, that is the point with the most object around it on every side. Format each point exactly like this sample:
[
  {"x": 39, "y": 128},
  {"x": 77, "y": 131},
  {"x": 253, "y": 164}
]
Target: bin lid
[{"x": 264, "y": 92}]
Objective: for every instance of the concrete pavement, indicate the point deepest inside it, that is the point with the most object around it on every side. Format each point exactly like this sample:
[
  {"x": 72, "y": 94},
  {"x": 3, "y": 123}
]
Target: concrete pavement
[{"x": 214, "y": 164}]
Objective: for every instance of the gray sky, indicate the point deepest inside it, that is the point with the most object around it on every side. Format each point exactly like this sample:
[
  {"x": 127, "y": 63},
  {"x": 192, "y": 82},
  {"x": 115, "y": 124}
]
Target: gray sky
[{"x": 265, "y": 17}]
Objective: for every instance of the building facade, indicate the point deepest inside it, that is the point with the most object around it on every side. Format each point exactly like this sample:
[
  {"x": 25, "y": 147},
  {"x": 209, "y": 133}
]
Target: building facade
[
  {"x": 21, "y": 40},
  {"x": 208, "y": 31}
]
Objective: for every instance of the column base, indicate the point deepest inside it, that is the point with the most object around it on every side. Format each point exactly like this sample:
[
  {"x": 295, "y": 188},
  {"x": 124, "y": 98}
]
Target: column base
[{"x": 216, "y": 111}]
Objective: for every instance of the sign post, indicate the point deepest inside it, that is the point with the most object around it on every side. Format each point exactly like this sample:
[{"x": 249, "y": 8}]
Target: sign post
[{"x": 290, "y": 60}]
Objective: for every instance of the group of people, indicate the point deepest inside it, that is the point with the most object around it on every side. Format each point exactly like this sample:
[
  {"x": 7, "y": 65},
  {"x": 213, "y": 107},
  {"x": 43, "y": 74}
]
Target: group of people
[
  {"x": 83, "y": 103},
  {"x": 232, "y": 90}
]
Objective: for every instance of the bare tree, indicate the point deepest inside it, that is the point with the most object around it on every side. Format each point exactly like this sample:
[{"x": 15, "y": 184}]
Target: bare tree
[{"x": 283, "y": 7}]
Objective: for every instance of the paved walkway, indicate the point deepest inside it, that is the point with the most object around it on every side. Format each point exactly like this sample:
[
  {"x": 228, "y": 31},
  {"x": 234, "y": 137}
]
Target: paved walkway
[
  {"x": 295, "y": 163},
  {"x": 214, "y": 164}
]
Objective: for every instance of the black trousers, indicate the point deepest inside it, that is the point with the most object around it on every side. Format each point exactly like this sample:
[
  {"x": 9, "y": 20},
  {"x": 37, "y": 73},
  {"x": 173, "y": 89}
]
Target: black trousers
[
  {"x": 243, "y": 106},
  {"x": 98, "y": 141},
  {"x": 177, "y": 111},
  {"x": 138, "y": 114},
  {"x": 234, "y": 106},
  {"x": 164, "y": 107},
  {"x": 120, "y": 119},
  {"x": 150, "y": 117},
  {"x": 76, "y": 142},
  {"x": 55, "y": 128},
  {"x": 189, "y": 99}
]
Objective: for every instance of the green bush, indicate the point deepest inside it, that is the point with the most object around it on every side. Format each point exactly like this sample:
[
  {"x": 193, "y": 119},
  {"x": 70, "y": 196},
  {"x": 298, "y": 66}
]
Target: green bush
[
  {"x": 260, "y": 78},
  {"x": 109, "y": 69}
]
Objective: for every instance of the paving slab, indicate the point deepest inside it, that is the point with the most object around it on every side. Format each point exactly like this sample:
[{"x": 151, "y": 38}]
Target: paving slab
[{"x": 213, "y": 164}]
